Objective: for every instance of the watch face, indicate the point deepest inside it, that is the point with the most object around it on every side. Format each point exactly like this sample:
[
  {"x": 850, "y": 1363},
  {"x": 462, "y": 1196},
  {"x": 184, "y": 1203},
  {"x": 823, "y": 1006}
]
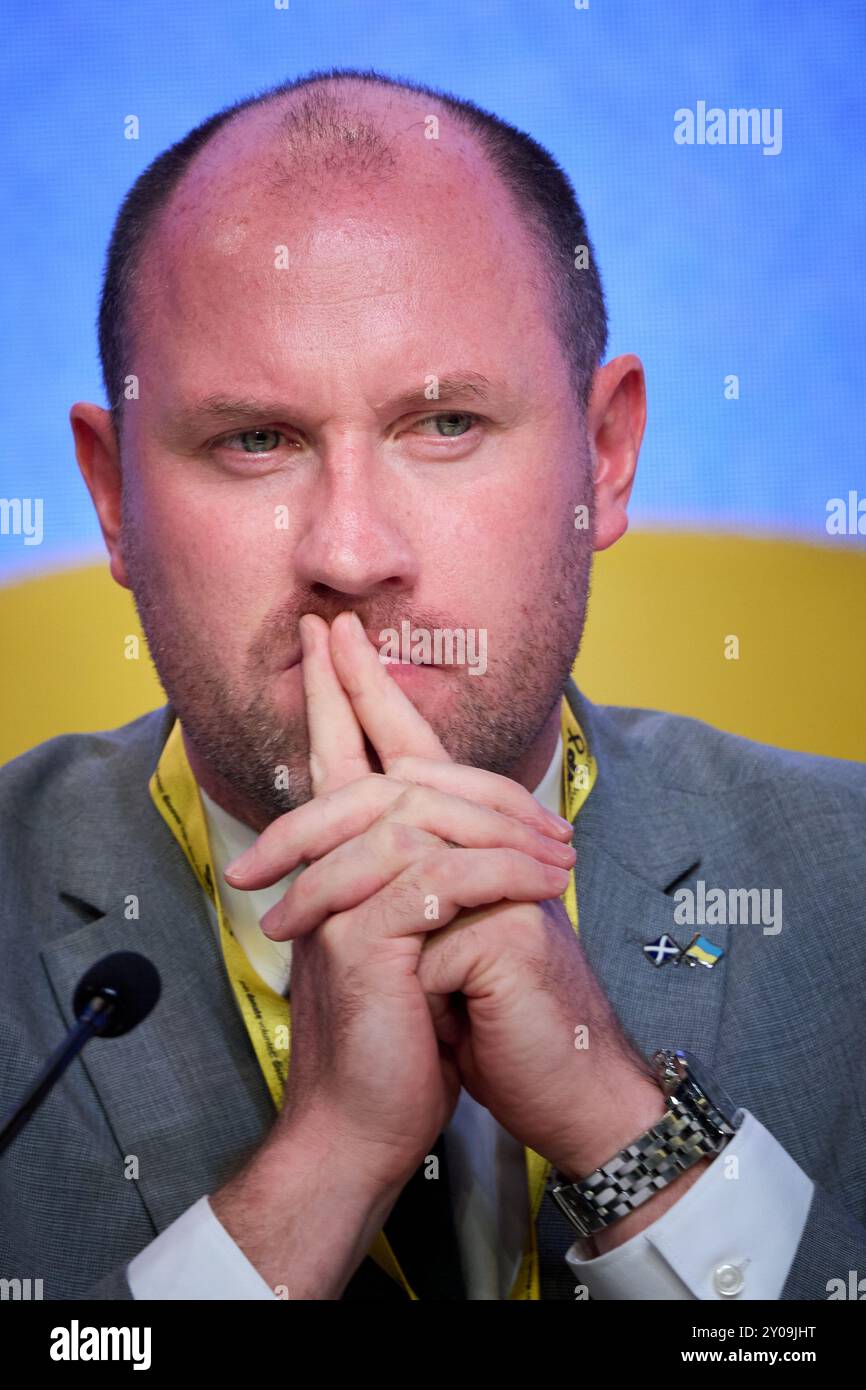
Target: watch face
[{"x": 708, "y": 1085}]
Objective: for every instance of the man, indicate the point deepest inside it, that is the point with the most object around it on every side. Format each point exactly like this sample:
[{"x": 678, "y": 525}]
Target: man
[{"x": 352, "y": 335}]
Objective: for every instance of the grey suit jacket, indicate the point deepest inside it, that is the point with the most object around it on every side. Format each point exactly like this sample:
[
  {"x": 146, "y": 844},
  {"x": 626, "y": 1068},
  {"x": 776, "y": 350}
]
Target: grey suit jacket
[{"x": 781, "y": 1020}]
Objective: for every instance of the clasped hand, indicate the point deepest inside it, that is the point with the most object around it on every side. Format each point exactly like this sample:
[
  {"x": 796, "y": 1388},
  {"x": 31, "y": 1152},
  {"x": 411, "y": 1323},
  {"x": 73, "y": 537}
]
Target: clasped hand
[{"x": 430, "y": 945}]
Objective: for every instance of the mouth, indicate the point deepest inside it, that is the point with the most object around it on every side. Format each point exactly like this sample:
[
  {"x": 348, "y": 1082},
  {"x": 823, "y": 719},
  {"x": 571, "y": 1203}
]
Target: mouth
[
  {"x": 399, "y": 664},
  {"x": 374, "y": 640}
]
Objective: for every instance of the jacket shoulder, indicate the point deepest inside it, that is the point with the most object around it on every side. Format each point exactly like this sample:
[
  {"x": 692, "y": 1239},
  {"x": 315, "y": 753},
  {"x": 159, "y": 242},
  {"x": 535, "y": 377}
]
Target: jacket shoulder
[
  {"x": 695, "y": 757},
  {"x": 47, "y": 784}
]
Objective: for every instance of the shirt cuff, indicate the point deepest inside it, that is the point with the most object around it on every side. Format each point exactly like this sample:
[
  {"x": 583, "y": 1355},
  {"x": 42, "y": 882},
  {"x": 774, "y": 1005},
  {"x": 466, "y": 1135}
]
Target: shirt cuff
[
  {"x": 195, "y": 1258},
  {"x": 733, "y": 1234}
]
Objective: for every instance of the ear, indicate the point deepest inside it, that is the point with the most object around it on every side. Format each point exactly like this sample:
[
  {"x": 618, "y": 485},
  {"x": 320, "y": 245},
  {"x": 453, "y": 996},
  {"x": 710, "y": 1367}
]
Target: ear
[
  {"x": 98, "y": 454},
  {"x": 616, "y": 417}
]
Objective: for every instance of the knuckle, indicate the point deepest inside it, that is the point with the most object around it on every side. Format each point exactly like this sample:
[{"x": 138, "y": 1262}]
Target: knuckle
[
  {"x": 302, "y": 891},
  {"x": 513, "y": 861},
  {"x": 399, "y": 767},
  {"x": 411, "y": 803},
  {"x": 440, "y": 865},
  {"x": 394, "y": 838},
  {"x": 355, "y": 769}
]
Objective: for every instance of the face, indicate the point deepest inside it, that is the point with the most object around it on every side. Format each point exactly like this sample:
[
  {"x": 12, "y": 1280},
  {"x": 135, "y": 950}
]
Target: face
[{"x": 410, "y": 449}]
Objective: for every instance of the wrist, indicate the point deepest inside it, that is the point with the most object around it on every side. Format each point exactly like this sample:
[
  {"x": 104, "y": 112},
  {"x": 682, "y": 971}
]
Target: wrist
[
  {"x": 663, "y": 1156},
  {"x": 301, "y": 1218},
  {"x": 321, "y": 1155},
  {"x": 624, "y": 1112},
  {"x": 302, "y": 1228},
  {"x": 646, "y": 1215}
]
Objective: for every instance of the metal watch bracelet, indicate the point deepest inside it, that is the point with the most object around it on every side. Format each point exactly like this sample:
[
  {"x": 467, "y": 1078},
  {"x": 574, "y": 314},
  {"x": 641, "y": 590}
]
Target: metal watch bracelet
[{"x": 692, "y": 1129}]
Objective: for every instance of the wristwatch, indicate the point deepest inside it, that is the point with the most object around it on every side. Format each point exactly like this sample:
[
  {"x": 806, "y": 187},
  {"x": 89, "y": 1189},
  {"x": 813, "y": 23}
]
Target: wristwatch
[{"x": 700, "y": 1120}]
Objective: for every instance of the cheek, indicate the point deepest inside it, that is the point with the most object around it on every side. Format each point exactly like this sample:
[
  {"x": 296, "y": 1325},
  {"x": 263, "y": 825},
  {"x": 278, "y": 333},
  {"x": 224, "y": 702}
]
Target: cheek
[
  {"x": 501, "y": 546},
  {"x": 212, "y": 559}
]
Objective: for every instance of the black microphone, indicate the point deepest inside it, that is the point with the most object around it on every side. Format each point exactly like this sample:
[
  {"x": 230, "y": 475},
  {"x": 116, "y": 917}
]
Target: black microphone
[{"x": 109, "y": 1000}]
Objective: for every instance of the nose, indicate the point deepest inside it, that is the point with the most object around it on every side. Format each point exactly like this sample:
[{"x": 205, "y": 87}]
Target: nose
[{"x": 358, "y": 533}]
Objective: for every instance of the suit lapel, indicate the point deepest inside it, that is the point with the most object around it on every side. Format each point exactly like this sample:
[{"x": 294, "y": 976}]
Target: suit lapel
[
  {"x": 634, "y": 841},
  {"x": 182, "y": 1093}
]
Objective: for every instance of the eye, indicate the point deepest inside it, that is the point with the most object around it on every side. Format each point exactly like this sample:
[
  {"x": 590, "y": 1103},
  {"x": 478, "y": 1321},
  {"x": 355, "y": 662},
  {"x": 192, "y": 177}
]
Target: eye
[
  {"x": 450, "y": 423},
  {"x": 259, "y": 441}
]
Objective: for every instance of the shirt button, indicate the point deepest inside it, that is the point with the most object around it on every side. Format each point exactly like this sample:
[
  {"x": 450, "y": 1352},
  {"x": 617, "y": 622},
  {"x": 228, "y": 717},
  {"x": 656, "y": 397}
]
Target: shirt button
[{"x": 728, "y": 1280}]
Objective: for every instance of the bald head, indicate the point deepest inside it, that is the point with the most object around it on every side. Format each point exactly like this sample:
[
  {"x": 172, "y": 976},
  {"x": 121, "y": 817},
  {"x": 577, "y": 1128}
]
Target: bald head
[
  {"x": 346, "y": 134},
  {"x": 326, "y": 220}
]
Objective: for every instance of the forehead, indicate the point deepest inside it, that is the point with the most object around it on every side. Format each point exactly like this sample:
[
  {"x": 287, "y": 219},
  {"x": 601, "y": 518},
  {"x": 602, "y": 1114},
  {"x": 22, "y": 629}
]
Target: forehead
[{"x": 421, "y": 256}]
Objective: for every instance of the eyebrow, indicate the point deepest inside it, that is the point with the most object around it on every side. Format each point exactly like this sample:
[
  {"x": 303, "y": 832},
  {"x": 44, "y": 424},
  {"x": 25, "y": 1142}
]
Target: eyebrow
[{"x": 214, "y": 408}]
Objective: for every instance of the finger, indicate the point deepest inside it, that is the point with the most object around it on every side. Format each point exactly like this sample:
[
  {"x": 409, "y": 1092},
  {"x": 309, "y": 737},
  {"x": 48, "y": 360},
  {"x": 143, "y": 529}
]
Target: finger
[
  {"x": 458, "y": 879},
  {"x": 344, "y": 879},
  {"x": 391, "y": 722},
  {"x": 337, "y": 754},
  {"x": 457, "y": 958},
  {"x": 449, "y": 958},
  {"x": 357, "y": 868},
  {"x": 443, "y": 879},
  {"x": 486, "y": 788},
  {"x": 312, "y": 831}
]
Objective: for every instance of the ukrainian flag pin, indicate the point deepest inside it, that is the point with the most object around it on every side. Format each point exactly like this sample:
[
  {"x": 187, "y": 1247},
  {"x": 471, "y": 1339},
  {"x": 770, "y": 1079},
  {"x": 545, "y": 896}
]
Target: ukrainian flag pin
[{"x": 701, "y": 950}]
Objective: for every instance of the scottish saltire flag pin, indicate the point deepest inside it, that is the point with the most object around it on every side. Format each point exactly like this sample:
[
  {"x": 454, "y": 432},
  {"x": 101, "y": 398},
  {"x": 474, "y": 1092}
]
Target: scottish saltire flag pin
[
  {"x": 701, "y": 949},
  {"x": 662, "y": 950}
]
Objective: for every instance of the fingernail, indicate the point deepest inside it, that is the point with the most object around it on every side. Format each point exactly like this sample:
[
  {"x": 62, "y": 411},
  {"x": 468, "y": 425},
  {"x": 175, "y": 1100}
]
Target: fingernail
[
  {"x": 567, "y": 855},
  {"x": 561, "y": 826},
  {"x": 270, "y": 922},
  {"x": 356, "y": 625},
  {"x": 238, "y": 867}
]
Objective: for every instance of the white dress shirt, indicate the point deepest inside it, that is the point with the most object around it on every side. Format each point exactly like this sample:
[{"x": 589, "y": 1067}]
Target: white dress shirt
[{"x": 725, "y": 1237}]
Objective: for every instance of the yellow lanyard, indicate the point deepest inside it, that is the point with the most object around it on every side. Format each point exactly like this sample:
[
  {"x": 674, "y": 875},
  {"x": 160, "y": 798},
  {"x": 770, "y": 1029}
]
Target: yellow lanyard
[{"x": 267, "y": 1015}]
